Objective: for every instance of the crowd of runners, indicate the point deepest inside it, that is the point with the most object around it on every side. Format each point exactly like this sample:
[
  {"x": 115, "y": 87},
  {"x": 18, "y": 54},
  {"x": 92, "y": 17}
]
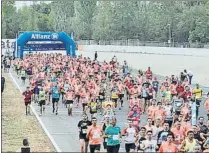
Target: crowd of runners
[{"x": 171, "y": 105}]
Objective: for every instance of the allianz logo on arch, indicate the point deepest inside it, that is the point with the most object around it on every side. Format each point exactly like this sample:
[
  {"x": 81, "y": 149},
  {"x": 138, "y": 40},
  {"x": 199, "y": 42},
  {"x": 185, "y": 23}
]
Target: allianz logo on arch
[{"x": 53, "y": 36}]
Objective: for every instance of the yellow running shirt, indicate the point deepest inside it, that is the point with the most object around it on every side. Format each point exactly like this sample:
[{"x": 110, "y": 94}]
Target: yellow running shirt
[
  {"x": 114, "y": 95},
  {"x": 198, "y": 93}
]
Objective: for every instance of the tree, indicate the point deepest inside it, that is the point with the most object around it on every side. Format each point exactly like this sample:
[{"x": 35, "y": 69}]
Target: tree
[
  {"x": 108, "y": 20},
  {"x": 82, "y": 22},
  {"x": 9, "y": 19},
  {"x": 62, "y": 13}
]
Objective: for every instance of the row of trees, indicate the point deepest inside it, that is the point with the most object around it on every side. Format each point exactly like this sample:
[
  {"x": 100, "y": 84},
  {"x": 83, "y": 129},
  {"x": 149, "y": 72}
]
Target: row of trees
[{"x": 107, "y": 20}]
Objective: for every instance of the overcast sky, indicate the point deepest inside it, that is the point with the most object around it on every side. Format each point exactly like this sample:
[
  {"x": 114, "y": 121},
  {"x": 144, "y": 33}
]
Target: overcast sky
[{"x": 20, "y": 4}]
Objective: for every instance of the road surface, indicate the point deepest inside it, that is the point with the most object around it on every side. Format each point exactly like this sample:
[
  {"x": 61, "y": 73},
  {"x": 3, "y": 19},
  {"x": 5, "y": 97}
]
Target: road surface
[{"x": 63, "y": 129}]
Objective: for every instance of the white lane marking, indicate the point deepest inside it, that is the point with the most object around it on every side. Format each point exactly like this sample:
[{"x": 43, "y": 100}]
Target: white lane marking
[
  {"x": 38, "y": 118},
  {"x": 64, "y": 133}
]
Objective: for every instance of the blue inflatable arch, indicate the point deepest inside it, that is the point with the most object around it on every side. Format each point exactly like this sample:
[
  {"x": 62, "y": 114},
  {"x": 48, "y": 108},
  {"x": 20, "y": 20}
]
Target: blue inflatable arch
[{"x": 44, "y": 36}]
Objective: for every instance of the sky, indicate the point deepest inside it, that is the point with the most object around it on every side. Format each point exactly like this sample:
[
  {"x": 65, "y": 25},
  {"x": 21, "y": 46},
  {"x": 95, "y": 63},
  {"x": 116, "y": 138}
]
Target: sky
[{"x": 20, "y": 4}]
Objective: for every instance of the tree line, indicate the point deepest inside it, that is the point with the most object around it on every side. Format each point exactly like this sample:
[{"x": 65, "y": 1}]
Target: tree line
[{"x": 182, "y": 21}]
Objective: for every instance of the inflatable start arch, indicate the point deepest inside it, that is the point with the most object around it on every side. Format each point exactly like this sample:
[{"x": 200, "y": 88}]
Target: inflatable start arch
[{"x": 44, "y": 36}]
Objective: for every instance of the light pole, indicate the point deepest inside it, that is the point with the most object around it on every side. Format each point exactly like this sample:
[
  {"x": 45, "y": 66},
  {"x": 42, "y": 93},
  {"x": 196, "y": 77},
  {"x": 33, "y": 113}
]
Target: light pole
[{"x": 169, "y": 41}]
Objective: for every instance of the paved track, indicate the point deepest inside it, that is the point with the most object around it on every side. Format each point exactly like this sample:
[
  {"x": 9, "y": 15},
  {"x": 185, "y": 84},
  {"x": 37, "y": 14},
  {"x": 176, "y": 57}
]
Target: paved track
[{"x": 63, "y": 128}]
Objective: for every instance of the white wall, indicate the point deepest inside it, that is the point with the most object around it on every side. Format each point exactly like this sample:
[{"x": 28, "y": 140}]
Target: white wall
[{"x": 148, "y": 50}]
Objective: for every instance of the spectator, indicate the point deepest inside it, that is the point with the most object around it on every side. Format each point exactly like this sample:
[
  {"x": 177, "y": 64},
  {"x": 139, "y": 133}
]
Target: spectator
[
  {"x": 95, "y": 55},
  {"x": 25, "y": 148},
  {"x": 2, "y": 84}
]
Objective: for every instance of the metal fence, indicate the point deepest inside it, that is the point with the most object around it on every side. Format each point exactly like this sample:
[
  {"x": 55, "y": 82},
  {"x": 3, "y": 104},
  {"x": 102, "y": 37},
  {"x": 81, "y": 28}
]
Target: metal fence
[{"x": 137, "y": 42}]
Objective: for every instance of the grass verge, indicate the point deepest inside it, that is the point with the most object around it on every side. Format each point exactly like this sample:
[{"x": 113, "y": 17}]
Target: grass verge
[{"x": 16, "y": 125}]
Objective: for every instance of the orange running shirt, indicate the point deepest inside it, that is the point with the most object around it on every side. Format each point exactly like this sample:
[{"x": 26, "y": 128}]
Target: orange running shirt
[
  {"x": 168, "y": 147},
  {"x": 178, "y": 135},
  {"x": 95, "y": 134}
]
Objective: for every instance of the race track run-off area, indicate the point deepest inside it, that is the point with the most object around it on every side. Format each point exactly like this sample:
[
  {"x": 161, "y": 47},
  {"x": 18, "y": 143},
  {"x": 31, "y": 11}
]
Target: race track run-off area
[{"x": 62, "y": 129}]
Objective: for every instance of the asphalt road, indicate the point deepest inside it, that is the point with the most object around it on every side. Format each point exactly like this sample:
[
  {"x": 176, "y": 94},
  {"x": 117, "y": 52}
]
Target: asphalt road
[{"x": 63, "y": 128}]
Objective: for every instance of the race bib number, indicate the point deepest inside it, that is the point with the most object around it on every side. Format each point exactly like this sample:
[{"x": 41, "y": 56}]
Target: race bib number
[
  {"x": 94, "y": 108},
  {"x": 135, "y": 122},
  {"x": 84, "y": 131},
  {"x": 96, "y": 135},
  {"x": 115, "y": 137}
]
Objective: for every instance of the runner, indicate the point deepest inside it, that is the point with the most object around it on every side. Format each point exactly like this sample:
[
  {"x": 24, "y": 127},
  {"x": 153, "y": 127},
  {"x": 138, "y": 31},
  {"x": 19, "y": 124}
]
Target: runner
[
  {"x": 83, "y": 126},
  {"x": 207, "y": 104},
  {"x": 169, "y": 146},
  {"x": 162, "y": 135},
  {"x": 55, "y": 91},
  {"x": 155, "y": 84},
  {"x": 134, "y": 116},
  {"x": 149, "y": 73},
  {"x": 36, "y": 90},
  {"x": 28, "y": 94},
  {"x": 42, "y": 100},
  {"x": 108, "y": 103},
  {"x": 140, "y": 138},
  {"x": 179, "y": 134},
  {"x": 75, "y": 75},
  {"x": 101, "y": 99},
  {"x": 188, "y": 145},
  {"x": 23, "y": 75},
  {"x": 69, "y": 96},
  {"x": 149, "y": 145},
  {"x": 94, "y": 134},
  {"x": 121, "y": 93},
  {"x": 93, "y": 106},
  {"x": 125, "y": 68},
  {"x": 8, "y": 64},
  {"x": 198, "y": 92},
  {"x": 106, "y": 123},
  {"x": 151, "y": 109},
  {"x": 130, "y": 134},
  {"x": 160, "y": 112},
  {"x": 114, "y": 95},
  {"x": 113, "y": 135}
]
